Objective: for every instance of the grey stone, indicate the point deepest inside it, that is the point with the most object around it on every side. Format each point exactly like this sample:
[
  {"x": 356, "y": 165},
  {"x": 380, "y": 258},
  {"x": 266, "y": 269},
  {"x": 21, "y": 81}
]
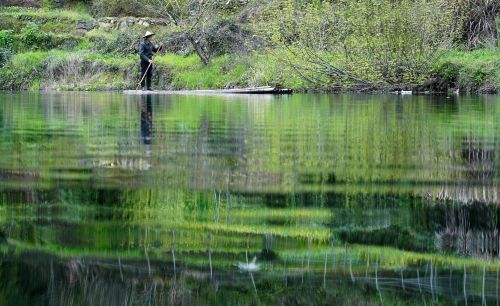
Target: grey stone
[
  {"x": 123, "y": 25},
  {"x": 104, "y": 24},
  {"x": 83, "y": 26}
]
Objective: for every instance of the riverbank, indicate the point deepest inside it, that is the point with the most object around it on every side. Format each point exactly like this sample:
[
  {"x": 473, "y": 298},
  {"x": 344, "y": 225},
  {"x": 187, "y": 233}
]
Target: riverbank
[{"x": 43, "y": 49}]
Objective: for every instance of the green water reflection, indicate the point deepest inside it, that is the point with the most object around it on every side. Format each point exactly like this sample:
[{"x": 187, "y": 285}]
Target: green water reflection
[{"x": 108, "y": 199}]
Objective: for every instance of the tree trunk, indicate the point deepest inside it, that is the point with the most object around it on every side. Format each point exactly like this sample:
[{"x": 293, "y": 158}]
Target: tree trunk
[{"x": 205, "y": 58}]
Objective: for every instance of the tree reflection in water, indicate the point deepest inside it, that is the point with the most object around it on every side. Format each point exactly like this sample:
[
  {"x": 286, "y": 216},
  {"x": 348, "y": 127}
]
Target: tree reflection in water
[{"x": 344, "y": 199}]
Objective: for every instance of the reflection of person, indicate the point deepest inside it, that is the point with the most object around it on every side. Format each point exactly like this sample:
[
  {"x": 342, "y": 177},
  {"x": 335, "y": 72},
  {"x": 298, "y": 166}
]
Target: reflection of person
[
  {"x": 146, "y": 122},
  {"x": 146, "y": 51}
]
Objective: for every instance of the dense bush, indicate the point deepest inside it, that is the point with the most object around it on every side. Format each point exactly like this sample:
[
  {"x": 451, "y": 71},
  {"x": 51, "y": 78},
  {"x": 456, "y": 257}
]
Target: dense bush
[
  {"x": 174, "y": 42},
  {"x": 361, "y": 44},
  {"x": 7, "y": 39},
  {"x": 64, "y": 41},
  {"x": 31, "y": 38},
  {"x": 83, "y": 71},
  {"x": 226, "y": 36},
  {"x": 470, "y": 71},
  {"x": 118, "y": 42},
  {"x": 22, "y": 70},
  {"x": 34, "y": 39}
]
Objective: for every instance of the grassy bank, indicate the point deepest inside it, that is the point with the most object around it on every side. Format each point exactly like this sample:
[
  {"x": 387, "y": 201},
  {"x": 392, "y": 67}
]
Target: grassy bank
[
  {"x": 476, "y": 71},
  {"x": 41, "y": 49},
  {"x": 86, "y": 70},
  {"x": 471, "y": 72}
]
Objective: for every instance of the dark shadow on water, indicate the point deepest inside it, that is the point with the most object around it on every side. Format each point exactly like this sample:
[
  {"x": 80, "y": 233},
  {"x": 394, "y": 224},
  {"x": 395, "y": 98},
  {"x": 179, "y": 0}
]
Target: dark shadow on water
[{"x": 146, "y": 122}]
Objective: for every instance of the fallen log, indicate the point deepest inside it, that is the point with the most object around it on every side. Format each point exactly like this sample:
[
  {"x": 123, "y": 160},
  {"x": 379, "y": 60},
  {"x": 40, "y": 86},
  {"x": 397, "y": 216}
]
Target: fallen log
[{"x": 252, "y": 90}]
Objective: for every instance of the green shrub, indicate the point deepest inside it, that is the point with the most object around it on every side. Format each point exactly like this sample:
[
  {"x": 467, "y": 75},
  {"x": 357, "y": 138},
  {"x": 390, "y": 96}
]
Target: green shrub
[
  {"x": 471, "y": 71},
  {"x": 357, "y": 44},
  {"x": 64, "y": 41},
  {"x": 116, "y": 42},
  {"x": 22, "y": 70},
  {"x": 32, "y": 38},
  {"x": 7, "y": 39},
  {"x": 83, "y": 44},
  {"x": 47, "y": 4},
  {"x": 175, "y": 42}
]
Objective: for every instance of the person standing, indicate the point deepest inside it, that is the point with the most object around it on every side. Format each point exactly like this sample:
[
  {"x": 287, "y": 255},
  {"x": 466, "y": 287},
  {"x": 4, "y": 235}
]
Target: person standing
[{"x": 146, "y": 52}]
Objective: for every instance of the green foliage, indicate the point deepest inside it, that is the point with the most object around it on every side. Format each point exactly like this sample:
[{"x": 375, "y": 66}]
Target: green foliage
[
  {"x": 360, "y": 44},
  {"x": 266, "y": 69},
  {"x": 81, "y": 7},
  {"x": 188, "y": 72},
  {"x": 111, "y": 61},
  {"x": 49, "y": 4},
  {"x": 84, "y": 44},
  {"x": 32, "y": 38},
  {"x": 123, "y": 42},
  {"x": 471, "y": 71},
  {"x": 7, "y": 40},
  {"x": 87, "y": 71},
  {"x": 22, "y": 70},
  {"x": 43, "y": 14}
]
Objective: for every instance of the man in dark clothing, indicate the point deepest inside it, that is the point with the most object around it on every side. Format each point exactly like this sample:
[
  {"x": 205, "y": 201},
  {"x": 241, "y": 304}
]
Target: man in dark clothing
[{"x": 146, "y": 51}]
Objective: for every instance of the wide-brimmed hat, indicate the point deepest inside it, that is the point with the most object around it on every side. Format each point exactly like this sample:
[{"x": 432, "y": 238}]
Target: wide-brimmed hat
[{"x": 148, "y": 34}]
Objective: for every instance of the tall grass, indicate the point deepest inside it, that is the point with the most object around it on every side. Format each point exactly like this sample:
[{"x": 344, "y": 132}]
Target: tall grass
[
  {"x": 188, "y": 72},
  {"x": 471, "y": 71},
  {"x": 73, "y": 15}
]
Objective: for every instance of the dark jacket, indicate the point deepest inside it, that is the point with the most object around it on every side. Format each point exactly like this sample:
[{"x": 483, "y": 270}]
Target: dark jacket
[{"x": 146, "y": 50}]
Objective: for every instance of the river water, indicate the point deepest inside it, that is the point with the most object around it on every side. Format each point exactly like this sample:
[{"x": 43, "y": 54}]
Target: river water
[{"x": 112, "y": 199}]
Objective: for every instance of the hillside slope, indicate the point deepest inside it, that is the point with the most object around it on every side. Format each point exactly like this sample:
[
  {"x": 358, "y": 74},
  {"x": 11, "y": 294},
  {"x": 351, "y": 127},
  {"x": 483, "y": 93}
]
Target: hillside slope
[{"x": 69, "y": 49}]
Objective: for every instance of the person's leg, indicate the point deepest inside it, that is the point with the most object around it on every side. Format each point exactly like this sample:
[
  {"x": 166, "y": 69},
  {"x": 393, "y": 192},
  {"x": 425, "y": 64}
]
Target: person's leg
[
  {"x": 144, "y": 66},
  {"x": 149, "y": 76}
]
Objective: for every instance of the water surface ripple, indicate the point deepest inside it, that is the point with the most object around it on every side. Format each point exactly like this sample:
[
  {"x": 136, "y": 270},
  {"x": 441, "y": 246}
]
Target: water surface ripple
[{"x": 110, "y": 199}]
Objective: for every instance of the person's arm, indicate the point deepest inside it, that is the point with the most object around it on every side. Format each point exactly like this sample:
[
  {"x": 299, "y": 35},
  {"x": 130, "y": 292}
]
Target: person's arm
[
  {"x": 141, "y": 53},
  {"x": 156, "y": 49}
]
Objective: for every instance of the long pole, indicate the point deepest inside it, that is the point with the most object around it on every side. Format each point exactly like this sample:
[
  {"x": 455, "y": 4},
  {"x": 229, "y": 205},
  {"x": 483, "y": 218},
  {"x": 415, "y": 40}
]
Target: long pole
[{"x": 147, "y": 69}]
